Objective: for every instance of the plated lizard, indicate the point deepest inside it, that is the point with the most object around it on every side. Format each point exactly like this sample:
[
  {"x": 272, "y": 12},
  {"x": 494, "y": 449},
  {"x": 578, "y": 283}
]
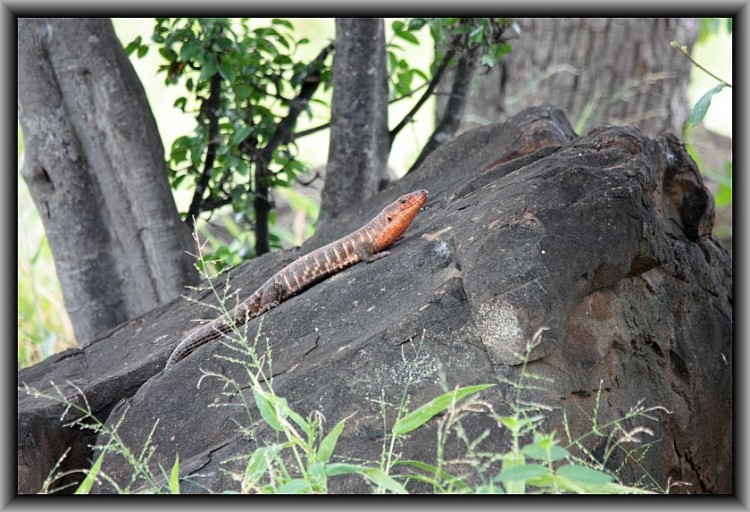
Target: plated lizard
[{"x": 367, "y": 244}]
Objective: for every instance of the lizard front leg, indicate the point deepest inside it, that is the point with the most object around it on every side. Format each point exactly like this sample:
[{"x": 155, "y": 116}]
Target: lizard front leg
[
  {"x": 270, "y": 298},
  {"x": 367, "y": 253},
  {"x": 374, "y": 257}
]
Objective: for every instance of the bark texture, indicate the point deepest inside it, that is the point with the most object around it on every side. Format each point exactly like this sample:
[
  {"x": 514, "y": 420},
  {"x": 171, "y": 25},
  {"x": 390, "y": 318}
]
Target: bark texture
[
  {"x": 613, "y": 71},
  {"x": 358, "y": 154},
  {"x": 94, "y": 164}
]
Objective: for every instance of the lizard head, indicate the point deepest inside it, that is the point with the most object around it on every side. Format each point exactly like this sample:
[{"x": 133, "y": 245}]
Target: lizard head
[{"x": 398, "y": 216}]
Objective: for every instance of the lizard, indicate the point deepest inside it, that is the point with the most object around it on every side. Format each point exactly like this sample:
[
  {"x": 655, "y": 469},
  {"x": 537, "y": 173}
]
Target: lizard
[{"x": 368, "y": 243}]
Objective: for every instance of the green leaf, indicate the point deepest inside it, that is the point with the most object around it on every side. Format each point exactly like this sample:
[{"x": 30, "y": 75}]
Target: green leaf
[
  {"x": 208, "y": 69},
  {"x": 417, "y": 23},
  {"x": 168, "y": 54},
  {"x": 435, "y": 471},
  {"x": 224, "y": 42},
  {"x": 503, "y": 49},
  {"x": 133, "y": 45},
  {"x": 392, "y": 62},
  {"x": 403, "y": 86},
  {"x": 174, "y": 476},
  {"x": 584, "y": 475},
  {"x": 421, "y": 74},
  {"x": 306, "y": 426},
  {"x": 379, "y": 477},
  {"x": 408, "y": 36},
  {"x": 701, "y": 107},
  {"x": 267, "y": 410},
  {"x": 88, "y": 482},
  {"x": 544, "y": 482},
  {"x": 613, "y": 488},
  {"x": 477, "y": 35},
  {"x": 317, "y": 475},
  {"x": 489, "y": 489},
  {"x": 142, "y": 51},
  {"x": 515, "y": 424},
  {"x": 296, "y": 486},
  {"x": 523, "y": 473},
  {"x": 425, "y": 413},
  {"x": 285, "y": 23},
  {"x": 328, "y": 444},
  {"x": 241, "y": 134},
  {"x": 513, "y": 460},
  {"x": 281, "y": 410},
  {"x": 375, "y": 475},
  {"x": 535, "y": 451},
  {"x": 189, "y": 50},
  {"x": 342, "y": 468},
  {"x": 227, "y": 71},
  {"x": 196, "y": 155},
  {"x": 488, "y": 59},
  {"x": 180, "y": 103},
  {"x": 241, "y": 91}
]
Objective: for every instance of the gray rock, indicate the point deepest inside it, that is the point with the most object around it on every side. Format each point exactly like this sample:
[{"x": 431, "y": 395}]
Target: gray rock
[{"x": 604, "y": 239}]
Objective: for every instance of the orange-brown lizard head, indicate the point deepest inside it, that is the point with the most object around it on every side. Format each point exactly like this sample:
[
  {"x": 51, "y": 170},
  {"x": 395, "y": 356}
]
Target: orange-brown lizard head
[{"x": 398, "y": 216}]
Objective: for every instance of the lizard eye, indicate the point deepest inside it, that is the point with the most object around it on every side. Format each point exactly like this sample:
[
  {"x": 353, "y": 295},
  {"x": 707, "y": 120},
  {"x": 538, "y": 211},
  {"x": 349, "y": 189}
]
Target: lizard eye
[
  {"x": 389, "y": 218},
  {"x": 402, "y": 201}
]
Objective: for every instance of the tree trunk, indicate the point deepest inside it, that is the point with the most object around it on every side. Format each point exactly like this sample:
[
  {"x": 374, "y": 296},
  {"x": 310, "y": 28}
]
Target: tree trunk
[
  {"x": 94, "y": 164},
  {"x": 358, "y": 153},
  {"x": 599, "y": 71}
]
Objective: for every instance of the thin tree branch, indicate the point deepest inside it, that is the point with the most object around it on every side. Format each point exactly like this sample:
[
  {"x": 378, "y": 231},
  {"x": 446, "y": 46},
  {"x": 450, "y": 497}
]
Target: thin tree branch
[
  {"x": 276, "y": 95},
  {"x": 282, "y": 135},
  {"x": 454, "y": 109},
  {"x": 310, "y": 131},
  {"x": 284, "y": 131},
  {"x": 315, "y": 129},
  {"x": 409, "y": 94},
  {"x": 214, "y": 203},
  {"x": 683, "y": 49},
  {"x": 212, "y": 113},
  {"x": 430, "y": 88}
]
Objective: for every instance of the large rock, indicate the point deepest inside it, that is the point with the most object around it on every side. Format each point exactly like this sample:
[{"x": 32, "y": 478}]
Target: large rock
[{"x": 604, "y": 239}]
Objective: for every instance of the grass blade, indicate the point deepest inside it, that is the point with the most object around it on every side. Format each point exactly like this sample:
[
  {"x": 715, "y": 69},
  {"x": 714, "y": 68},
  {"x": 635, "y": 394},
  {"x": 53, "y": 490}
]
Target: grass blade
[
  {"x": 328, "y": 444},
  {"x": 380, "y": 478},
  {"x": 425, "y": 413},
  {"x": 174, "y": 477},
  {"x": 267, "y": 410},
  {"x": 88, "y": 482}
]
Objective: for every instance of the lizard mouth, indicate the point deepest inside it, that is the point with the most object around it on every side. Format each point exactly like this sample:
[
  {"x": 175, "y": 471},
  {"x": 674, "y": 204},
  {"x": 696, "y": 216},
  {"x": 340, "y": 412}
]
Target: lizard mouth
[{"x": 420, "y": 197}]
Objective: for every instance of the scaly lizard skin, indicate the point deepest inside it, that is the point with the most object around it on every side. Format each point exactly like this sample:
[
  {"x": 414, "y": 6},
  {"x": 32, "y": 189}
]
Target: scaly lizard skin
[{"x": 367, "y": 244}]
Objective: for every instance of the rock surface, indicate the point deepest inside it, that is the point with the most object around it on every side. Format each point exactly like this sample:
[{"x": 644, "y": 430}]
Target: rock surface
[{"x": 604, "y": 239}]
